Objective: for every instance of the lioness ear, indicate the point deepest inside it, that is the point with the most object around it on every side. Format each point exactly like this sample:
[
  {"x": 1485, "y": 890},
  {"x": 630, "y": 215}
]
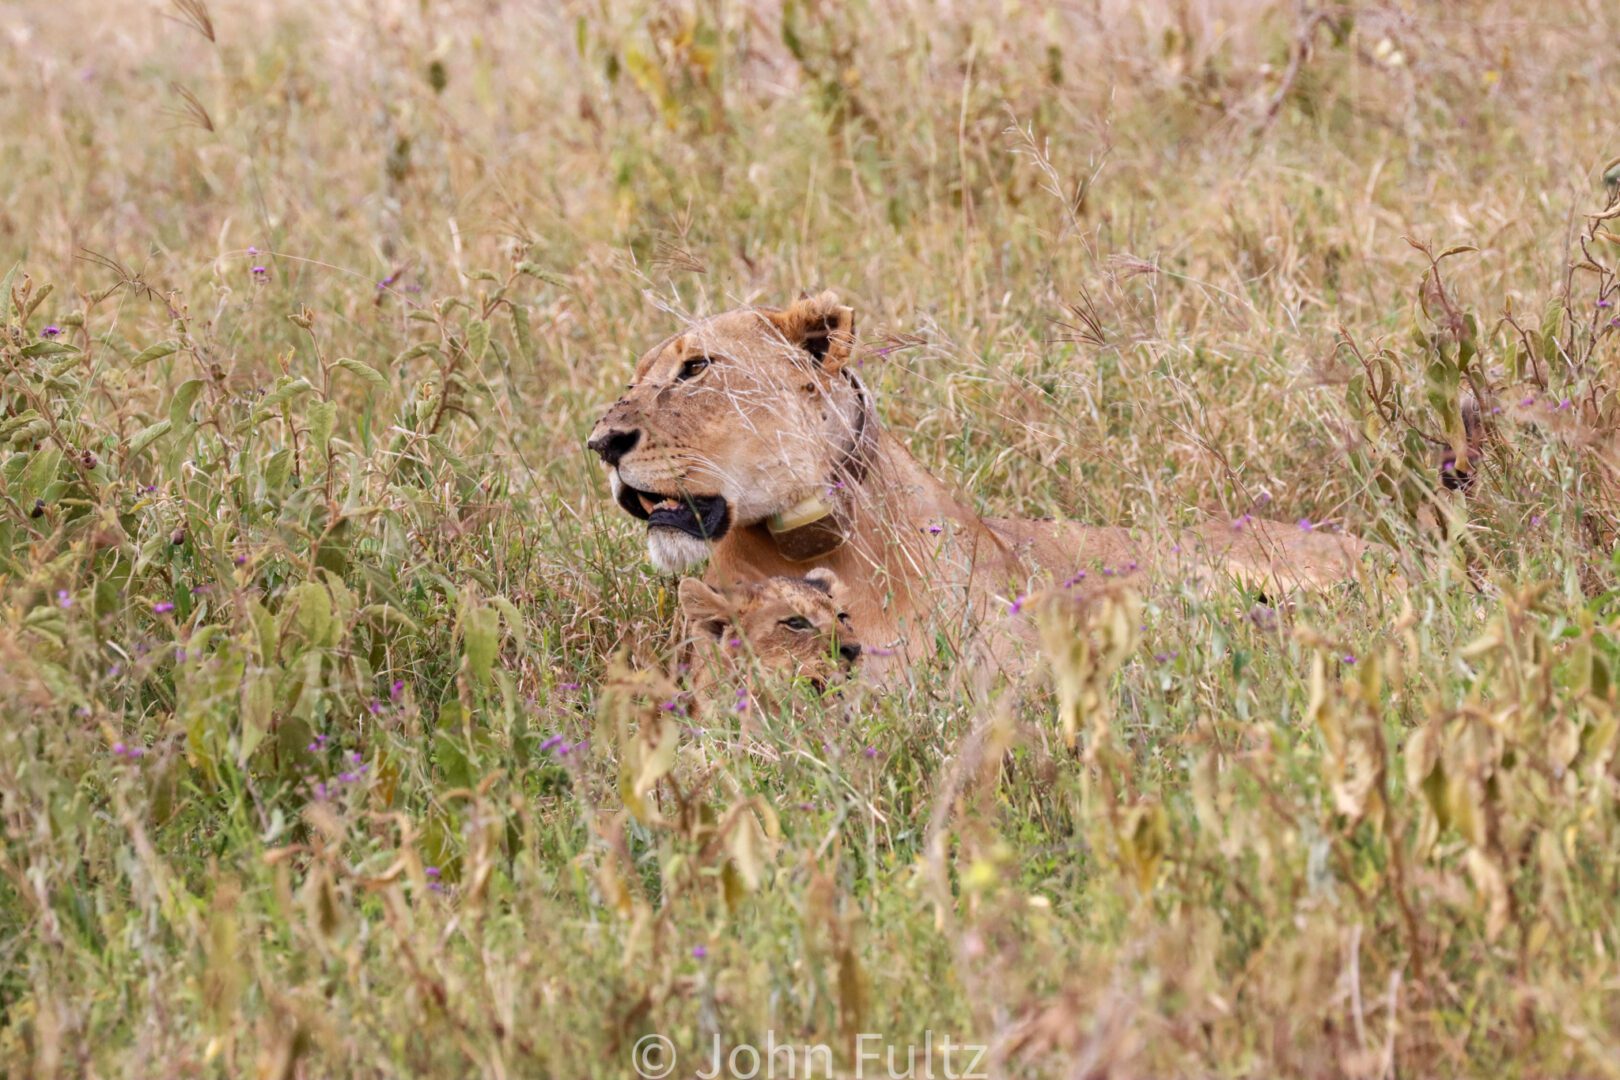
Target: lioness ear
[
  {"x": 821, "y": 326},
  {"x": 704, "y": 606}
]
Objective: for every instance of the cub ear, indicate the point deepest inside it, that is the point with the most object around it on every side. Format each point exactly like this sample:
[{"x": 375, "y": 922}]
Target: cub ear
[
  {"x": 821, "y": 326},
  {"x": 827, "y": 581},
  {"x": 704, "y": 607}
]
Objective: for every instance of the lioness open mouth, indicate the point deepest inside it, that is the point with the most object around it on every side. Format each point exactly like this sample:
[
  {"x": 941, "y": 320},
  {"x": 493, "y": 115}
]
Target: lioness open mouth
[{"x": 706, "y": 517}]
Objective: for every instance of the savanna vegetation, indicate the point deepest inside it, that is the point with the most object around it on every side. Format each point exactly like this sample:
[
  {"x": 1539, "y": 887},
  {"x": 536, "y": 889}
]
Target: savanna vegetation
[{"x": 331, "y": 735}]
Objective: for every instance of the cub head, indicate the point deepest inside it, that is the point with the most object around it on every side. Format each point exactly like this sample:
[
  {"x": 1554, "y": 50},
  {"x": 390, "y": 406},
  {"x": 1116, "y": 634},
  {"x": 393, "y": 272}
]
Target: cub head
[
  {"x": 796, "y": 627},
  {"x": 738, "y": 418}
]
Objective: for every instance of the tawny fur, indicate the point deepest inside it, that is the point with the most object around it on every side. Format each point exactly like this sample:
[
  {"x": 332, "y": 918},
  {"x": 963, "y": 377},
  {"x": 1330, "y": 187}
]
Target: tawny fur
[
  {"x": 775, "y": 418},
  {"x": 794, "y": 627}
]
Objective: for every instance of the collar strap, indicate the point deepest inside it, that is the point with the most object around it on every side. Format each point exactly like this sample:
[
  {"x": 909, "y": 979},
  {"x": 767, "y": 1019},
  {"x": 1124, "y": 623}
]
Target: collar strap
[{"x": 809, "y": 529}]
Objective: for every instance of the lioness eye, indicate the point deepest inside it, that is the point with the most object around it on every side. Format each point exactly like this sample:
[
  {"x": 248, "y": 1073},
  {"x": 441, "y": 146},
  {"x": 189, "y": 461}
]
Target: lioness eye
[
  {"x": 798, "y": 622},
  {"x": 693, "y": 367}
]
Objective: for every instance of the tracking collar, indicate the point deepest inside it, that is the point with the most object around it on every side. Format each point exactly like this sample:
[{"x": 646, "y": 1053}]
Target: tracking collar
[{"x": 811, "y": 528}]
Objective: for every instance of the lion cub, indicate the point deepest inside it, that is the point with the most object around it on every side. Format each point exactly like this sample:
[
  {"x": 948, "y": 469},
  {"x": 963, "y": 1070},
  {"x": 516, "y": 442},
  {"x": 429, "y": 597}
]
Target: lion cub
[{"x": 794, "y": 626}]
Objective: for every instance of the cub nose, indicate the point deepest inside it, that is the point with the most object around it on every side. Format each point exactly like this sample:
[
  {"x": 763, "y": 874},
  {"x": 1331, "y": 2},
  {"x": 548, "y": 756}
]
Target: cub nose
[
  {"x": 850, "y": 653},
  {"x": 613, "y": 445}
]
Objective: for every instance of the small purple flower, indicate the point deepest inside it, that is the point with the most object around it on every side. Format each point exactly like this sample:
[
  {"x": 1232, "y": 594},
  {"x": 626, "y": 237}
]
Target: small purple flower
[
  {"x": 375, "y": 707},
  {"x": 260, "y": 272},
  {"x": 397, "y": 691},
  {"x": 1604, "y": 303},
  {"x": 935, "y": 530},
  {"x": 1535, "y": 519},
  {"x": 1108, "y": 571},
  {"x": 163, "y": 607},
  {"x": 1527, "y": 402},
  {"x": 355, "y": 756},
  {"x": 1566, "y": 403},
  {"x": 1305, "y": 524},
  {"x": 567, "y": 687},
  {"x": 742, "y": 699},
  {"x": 431, "y": 871},
  {"x": 669, "y": 706},
  {"x": 1016, "y": 606},
  {"x": 1495, "y": 409},
  {"x": 119, "y": 749},
  {"x": 870, "y": 752},
  {"x": 50, "y": 331},
  {"x": 549, "y": 743},
  {"x": 179, "y": 656},
  {"x": 115, "y": 671},
  {"x": 699, "y": 952},
  {"x": 64, "y": 598},
  {"x": 1349, "y": 658},
  {"x": 734, "y": 643},
  {"x": 1130, "y": 567},
  {"x": 1176, "y": 550},
  {"x": 252, "y": 250},
  {"x": 241, "y": 560}
]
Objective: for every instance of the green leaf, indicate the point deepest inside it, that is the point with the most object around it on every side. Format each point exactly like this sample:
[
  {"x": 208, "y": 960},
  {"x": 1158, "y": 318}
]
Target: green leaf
[
  {"x": 153, "y": 352},
  {"x": 322, "y": 418},
  {"x": 285, "y": 392},
  {"x": 148, "y": 435},
  {"x": 483, "y": 634},
  {"x": 477, "y": 339},
  {"x": 184, "y": 398},
  {"x": 46, "y": 348},
  {"x": 365, "y": 371},
  {"x": 277, "y": 469},
  {"x": 521, "y": 330},
  {"x": 39, "y": 473}
]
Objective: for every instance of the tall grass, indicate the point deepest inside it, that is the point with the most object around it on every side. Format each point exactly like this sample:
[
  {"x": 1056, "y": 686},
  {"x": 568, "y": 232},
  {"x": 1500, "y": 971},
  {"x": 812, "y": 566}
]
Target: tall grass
[{"x": 333, "y": 740}]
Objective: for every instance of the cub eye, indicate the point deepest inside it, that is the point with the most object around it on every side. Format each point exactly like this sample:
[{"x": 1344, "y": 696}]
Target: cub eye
[
  {"x": 693, "y": 368},
  {"x": 798, "y": 622}
]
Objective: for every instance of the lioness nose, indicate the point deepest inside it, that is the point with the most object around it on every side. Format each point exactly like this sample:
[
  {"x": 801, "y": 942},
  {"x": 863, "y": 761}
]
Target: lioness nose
[
  {"x": 850, "y": 653},
  {"x": 613, "y": 445}
]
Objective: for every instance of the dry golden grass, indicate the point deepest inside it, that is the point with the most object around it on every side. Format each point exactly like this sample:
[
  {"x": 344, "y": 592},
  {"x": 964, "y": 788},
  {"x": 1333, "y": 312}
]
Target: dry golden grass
[{"x": 332, "y": 742}]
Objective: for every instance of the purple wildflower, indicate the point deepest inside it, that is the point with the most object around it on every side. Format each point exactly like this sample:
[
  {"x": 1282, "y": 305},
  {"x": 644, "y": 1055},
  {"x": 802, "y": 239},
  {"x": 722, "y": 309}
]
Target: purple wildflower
[
  {"x": 252, "y": 250},
  {"x": 549, "y": 743},
  {"x": 259, "y": 271},
  {"x": 699, "y": 952},
  {"x": 568, "y": 687},
  {"x": 870, "y": 751},
  {"x": 50, "y": 331},
  {"x": 163, "y": 607},
  {"x": 935, "y": 530},
  {"x": 397, "y": 690},
  {"x": 1305, "y": 524},
  {"x": 241, "y": 560},
  {"x": 431, "y": 871},
  {"x": 742, "y": 699},
  {"x": 64, "y": 598},
  {"x": 1016, "y": 606},
  {"x": 1531, "y": 400},
  {"x": 376, "y": 707},
  {"x": 1566, "y": 403},
  {"x": 1349, "y": 658},
  {"x": 119, "y": 748},
  {"x": 1535, "y": 519},
  {"x": 1605, "y": 303}
]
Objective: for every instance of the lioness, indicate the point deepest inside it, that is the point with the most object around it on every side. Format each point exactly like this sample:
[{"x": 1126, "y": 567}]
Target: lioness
[
  {"x": 794, "y": 626},
  {"x": 748, "y": 439}
]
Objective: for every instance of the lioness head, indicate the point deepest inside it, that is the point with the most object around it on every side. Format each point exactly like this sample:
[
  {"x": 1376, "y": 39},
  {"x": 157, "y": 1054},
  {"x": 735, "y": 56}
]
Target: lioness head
[
  {"x": 740, "y": 417},
  {"x": 794, "y": 626}
]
